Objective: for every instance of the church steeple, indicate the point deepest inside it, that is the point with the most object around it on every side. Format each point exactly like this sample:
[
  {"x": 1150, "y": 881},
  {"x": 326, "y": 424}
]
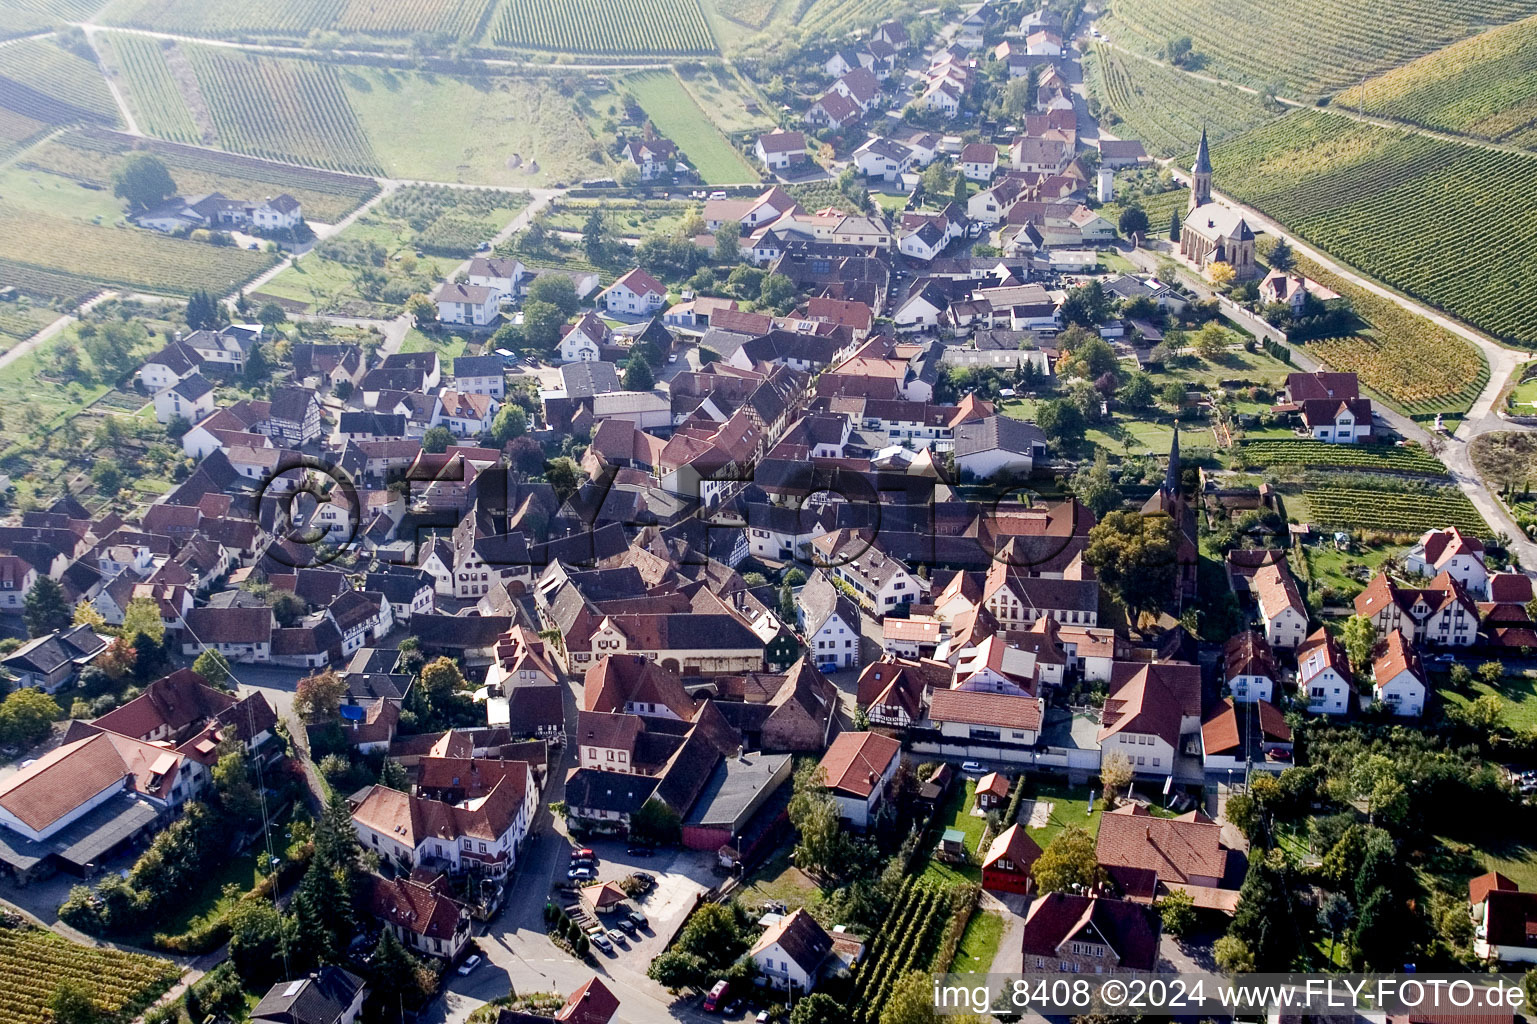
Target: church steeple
[
  {"x": 1200, "y": 174},
  {"x": 1172, "y": 475}
]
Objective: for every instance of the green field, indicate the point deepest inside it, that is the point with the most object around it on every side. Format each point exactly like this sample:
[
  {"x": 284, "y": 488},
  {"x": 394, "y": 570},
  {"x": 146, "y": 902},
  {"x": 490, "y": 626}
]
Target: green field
[
  {"x": 45, "y": 83},
  {"x": 726, "y": 96},
  {"x": 89, "y": 156},
  {"x": 1312, "y": 48},
  {"x": 1394, "y": 203},
  {"x": 462, "y": 19},
  {"x": 679, "y": 118},
  {"x": 1484, "y": 86},
  {"x": 22, "y": 320},
  {"x": 1401, "y": 512},
  {"x": 593, "y": 26},
  {"x": 1322, "y": 454},
  {"x": 1166, "y": 108},
  {"x": 1518, "y": 695},
  {"x": 956, "y": 813},
  {"x": 34, "y": 963}
]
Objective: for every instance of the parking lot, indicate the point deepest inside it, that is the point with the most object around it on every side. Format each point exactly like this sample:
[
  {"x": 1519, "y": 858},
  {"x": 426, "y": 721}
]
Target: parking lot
[{"x": 681, "y": 875}]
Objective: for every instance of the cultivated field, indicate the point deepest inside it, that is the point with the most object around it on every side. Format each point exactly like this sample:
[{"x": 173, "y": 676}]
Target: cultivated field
[
  {"x": 282, "y": 109},
  {"x": 1396, "y": 204},
  {"x": 1314, "y": 47},
  {"x": 824, "y": 18},
  {"x": 679, "y": 118},
  {"x": 17, "y": 131},
  {"x": 462, "y": 19},
  {"x": 1405, "y": 512},
  {"x": 598, "y": 26},
  {"x": 123, "y": 257},
  {"x": 143, "y": 71},
  {"x": 1323, "y": 455},
  {"x": 90, "y": 155},
  {"x": 24, "y": 17},
  {"x": 48, "y": 84},
  {"x": 1484, "y": 86},
  {"x": 34, "y": 963},
  {"x": 1166, "y": 108}
]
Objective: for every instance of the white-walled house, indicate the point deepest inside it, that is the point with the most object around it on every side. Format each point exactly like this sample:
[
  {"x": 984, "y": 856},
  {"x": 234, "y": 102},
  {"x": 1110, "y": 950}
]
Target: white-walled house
[
  {"x": 583, "y": 341},
  {"x": 503, "y": 275},
  {"x": 1323, "y": 674},
  {"x": 1453, "y": 552},
  {"x": 1249, "y": 668},
  {"x": 1398, "y": 677},
  {"x": 830, "y": 622},
  {"x": 1344, "y": 421},
  {"x": 191, "y": 398},
  {"x": 466, "y": 304},
  {"x": 790, "y": 952},
  {"x": 859, "y": 768},
  {"x": 1281, "y": 607},
  {"x": 637, "y": 293}
]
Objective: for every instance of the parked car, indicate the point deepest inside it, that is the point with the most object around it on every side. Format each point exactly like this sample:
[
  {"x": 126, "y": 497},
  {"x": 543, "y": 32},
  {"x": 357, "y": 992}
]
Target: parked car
[
  {"x": 601, "y": 941},
  {"x": 972, "y": 767},
  {"x": 639, "y": 851},
  {"x": 762, "y": 1018},
  {"x": 639, "y": 920},
  {"x": 469, "y": 964},
  {"x": 733, "y": 1008},
  {"x": 626, "y": 925},
  {"x": 617, "y": 937},
  {"x": 583, "y": 854},
  {"x": 579, "y": 873},
  {"x": 716, "y": 996}
]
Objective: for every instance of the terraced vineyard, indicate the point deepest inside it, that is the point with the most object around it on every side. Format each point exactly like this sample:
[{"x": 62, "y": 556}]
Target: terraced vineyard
[
  {"x": 282, "y": 109},
  {"x": 90, "y": 155},
  {"x": 43, "y": 82},
  {"x": 1166, "y": 108},
  {"x": 1405, "y": 512},
  {"x": 601, "y": 26},
  {"x": 1484, "y": 86},
  {"x": 1314, "y": 47},
  {"x": 151, "y": 89},
  {"x": 135, "y": 259},
  {"x": 459, "y": 18},
  {"x": 1323, "y": 455},
  {"x": 1397, "y": 205},
  {"x": 34, "y": 962}
]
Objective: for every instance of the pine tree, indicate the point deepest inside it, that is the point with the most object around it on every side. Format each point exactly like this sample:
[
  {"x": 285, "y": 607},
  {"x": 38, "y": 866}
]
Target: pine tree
[
  {"x": 1174, "y": 226},
  {"x": 45, "y": 608}
]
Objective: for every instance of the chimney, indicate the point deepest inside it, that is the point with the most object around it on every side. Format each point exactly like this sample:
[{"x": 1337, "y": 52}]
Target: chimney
[{"x": 1150, "y": 833}]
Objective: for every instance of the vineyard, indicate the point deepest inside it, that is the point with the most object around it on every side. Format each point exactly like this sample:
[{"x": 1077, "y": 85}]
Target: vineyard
[
  {"x": 459, "y": 18},
  {"x": 123, "y": 257},
  {"x": 18, "y": 322},
  {"x": 1484, "y": 86},
  {"x": 909, "y": 939},
  {"x": 226, "y": 18},
  {"x": 1166, "y": 108},
  {"x": 1159, "y": 207},
  {"x": 34, "y": 962},
  {"x": 46, "y": 285},
  {"x": 46, "y": 83},
  {"x": 752, "y": 13},
  {"x": 826, "y": 18},
  {"x": 24, "y": 17},
  {"x": 1314, "y": 47},
  {"x": 1405, "y": 512},
  {"x": 598, "y": 26},
  {"x": 152, "y": 90},
  {"x": 17, "y": 131},
  {"x": 1396, "y": 204},
  {"x": 282, "y": 109},
  {"x": 1323, "y": 455},
  {"x": 90, "y": 155},
  {"x": 679, "y": 118}
]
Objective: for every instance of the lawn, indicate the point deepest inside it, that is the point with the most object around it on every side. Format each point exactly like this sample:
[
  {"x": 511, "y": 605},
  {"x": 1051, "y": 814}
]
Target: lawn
[
  {"x": 779, "y": 879},
  {"x": 1126, "y": 436},
  {"x": 1347, "y": 571},
  {"x": 677, "y": 116},
  {"x": 1518, "y": 693},
  {"x": 729, "y": 99},
  {"x": 627, "y": 218},
  {"x": 1069, "y": 807},
  {"x": 449, "y": 346},
  {"x": 491, "y": 130},
  {"x": 956, "y": 813},
  {"x": 979, "y": 943}
]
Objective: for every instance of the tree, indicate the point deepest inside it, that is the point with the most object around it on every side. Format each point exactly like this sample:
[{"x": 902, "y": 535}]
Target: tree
[
  {"x": 27, "y": 716},
  {"x": 395, "y": 975},
  {"x": 1281, "y": 256},
  {"x": 232, "y": 778},
  {"x": 1086, "y": 305},
  {"x": 107, "y": 477},
  {"x": 1173, "y": 230},
  {"x": 555, "y": 290},
  {"x": 511, "y": 421},
  {"x": 1137, "y": 392},
  {"x": 960, "y": 192},
  {"x": 1244, "y": 813},
  {"x": 542, "y": 322},
  {"x": 45, "y": 608},
  {"x": 1018, "y": 98},
  {"x": 287, "y": 608},
  {"x": 819, "y": 1008},
  {"x": 592, "y": 236},
  {"x": 1090, "y": 360},
  {"x": 655, "y": 822},
  {"x": 714, "y": 934},
  {"x": 392, "y": 775},
  {"x": 564, "y": 475},
  {"x": 911, "y": 1000},
  {"x": 638, "y": 375},
  {"x": 1173, "y": 393},
  {"x": 1491, "y": 672},
  {"x": 1221, "y": 273},
  {"x": 258, "y": 367},
  {"x": 1095, "y": 487},
  {"x": 213, "y": 667},
  {"x": 1133, "y": 221},
  {"x": 1178, "y": 50},
  {"x": 1211, "y": 341},
  {"x": 674, "y": 970},
  {"x": 319, "y": 696},
  {"x": 1486, "y": 713},
  {"x": 1334, "y": 916},
  {"x": 1178, "y": 912},
  {"x": 824, "y": 847},
  {"x": 143, "y": 182},
  {"x": 203, "y": 312},
  {"x": 777, "y": 290},
  {"x": 71, "y": 1003},
  {"x": 1233, "y": 955},
  {"x": 1115, "y": 774},
  {"x": 1266, "y": 916},
  {"x": 270, "y": 315},
  {"x": 87, "y": 615},
  {"x": 142, "y": 618},
  {"x": 1137, "y": 558},
  {"x": 1061, "y": 421},
  {"x": 1069, "y": 864},
  {"x": 1359, "y": 636},
  {"x": 422, "y": 311},
  {"x": 437, "y": 439},
  {"x": 441, "y": 679},
  {"x": 728, "y": 242},
  {"x": 259, "y": 937}
]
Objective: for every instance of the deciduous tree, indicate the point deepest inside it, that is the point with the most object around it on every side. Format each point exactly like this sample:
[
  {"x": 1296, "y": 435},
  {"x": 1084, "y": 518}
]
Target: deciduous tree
[
  {"x": 143, "y": 182},
  {"x": 1069, "y": 864},
  {"x": 318, "y": 697},
  {"x": 1136, "y": 557}
]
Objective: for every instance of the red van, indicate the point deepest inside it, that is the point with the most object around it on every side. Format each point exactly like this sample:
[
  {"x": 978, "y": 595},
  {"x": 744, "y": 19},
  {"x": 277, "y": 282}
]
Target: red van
[{"x": 716, "y": 998}]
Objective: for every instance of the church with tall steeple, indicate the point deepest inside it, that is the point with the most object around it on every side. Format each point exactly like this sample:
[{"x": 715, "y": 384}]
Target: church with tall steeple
[
  {"x": 1213, "y": 233},
  {"x": 1169, "y": 500}
]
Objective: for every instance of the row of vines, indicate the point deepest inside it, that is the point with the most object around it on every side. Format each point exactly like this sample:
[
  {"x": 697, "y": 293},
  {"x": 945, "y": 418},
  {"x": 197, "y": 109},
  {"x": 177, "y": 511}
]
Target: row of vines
[{"x": 595, "y": 26}]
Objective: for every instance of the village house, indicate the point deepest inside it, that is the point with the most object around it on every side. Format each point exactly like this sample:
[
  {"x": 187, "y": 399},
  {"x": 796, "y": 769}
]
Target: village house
[
  {"x": 830, "y": 622},
  {"x": 423, "y": 916},
  {"x": 790, "y": 952},
  {"x": 190, "y": 398},
  {"x": 1089, "y": 934},
  {"x": 1245, "y": 736},
  {"x": 504, "y": 276},
  {"x": 636, "y": 293},
  {"x": 653, "y": 157},
  {"x": 782, "y": 150},
  {"x": 1453, "y": 552},
  {"x": 468, "y": 305},
  {"x": 1249, "y": 668},
  {"x": 1398, "y": 677},
  {"x": 1441, "y": 612},
  {"x": 859, "y": 768},
  {"x": 1148, "y": 857},
  {"x": 1323, "y": 674},
  {"x": 1009, "y": 858}
]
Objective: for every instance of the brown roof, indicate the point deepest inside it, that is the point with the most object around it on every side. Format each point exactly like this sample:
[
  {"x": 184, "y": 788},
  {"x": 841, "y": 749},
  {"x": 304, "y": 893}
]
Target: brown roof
[
  {"x": 1248, "y": 654},
  {"x": 66, "y": 777},
  {"x": 608, "y": 729},
  {"x": 801, "y": 938},
  {"x": 415, "y": 907},
  {"x": 1220, "y": 733},
  {"x": 176, "y": 701},
  {"x": 981, "y": 708},
  {"x": 618, "y": 678},
  {"x": 856, "y": 761},
  {"x": 1303, "y": 387},
  {"x": 1151, "y": 699},
  {"x": 1127, "y": 928},
  {"x": 993, "y": 783},
  {"x": 1141, "y": 850},
  {"x": 1014, "y": 845},
  {"x": 1394, "y": 657},
  {"x": 593, "y": 1003},
  {"x": 1510, "y": 918},
  {"x": 230, "y": 625},
  {"x": 1329, "y": 654},
  {"x": 1484, "y": 884}
]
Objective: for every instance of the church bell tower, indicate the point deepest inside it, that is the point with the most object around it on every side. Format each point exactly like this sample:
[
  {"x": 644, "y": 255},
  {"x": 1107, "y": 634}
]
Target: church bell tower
[{"x": 1200, "y": 176}]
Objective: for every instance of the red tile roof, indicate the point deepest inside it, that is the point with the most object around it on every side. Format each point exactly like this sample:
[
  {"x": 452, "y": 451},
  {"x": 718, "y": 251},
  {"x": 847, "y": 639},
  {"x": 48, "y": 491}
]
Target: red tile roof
[{"x": 857, "y": 761}]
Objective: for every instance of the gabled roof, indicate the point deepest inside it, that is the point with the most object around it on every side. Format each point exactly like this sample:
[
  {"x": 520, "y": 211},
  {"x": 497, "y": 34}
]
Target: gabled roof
[
  {"x": 800, "y": 937},
  {"x": 1248, "y": 654},
  {"x": 640, "y": 282},
  {"x": 1057, "y": 918},
  {"x": 856, "y": 762},
  {"x": 977, "y": 707},
  {"x": 1015, "y": 845},
  {"x": 415, "y": 907}
]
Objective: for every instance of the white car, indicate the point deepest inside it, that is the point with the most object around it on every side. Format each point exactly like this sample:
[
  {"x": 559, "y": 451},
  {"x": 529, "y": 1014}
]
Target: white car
[
  {"x": 579, "y": 874},
  {"x": 469, "y": 965},
  {"x": 972, "y": 767}
]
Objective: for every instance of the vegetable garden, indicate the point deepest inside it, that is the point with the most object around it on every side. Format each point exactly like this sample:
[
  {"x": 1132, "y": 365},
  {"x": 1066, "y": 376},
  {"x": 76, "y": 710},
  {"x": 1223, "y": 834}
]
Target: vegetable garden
[
  {"x": 1405, "y": 511},
  {"x": 1322, "y": 454},
  {"x": 597, "y": 26},
  {"x": 1395, "y": 204},
  {"x": 1485, "y": 85},
  {"x": 1167, "y": 108},
  {"x": 282, "y": 109},
  {"x": 1314, "y": 47},
  {"x": 47, "y": 83},
  {"x": 35, "y": 962}
]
